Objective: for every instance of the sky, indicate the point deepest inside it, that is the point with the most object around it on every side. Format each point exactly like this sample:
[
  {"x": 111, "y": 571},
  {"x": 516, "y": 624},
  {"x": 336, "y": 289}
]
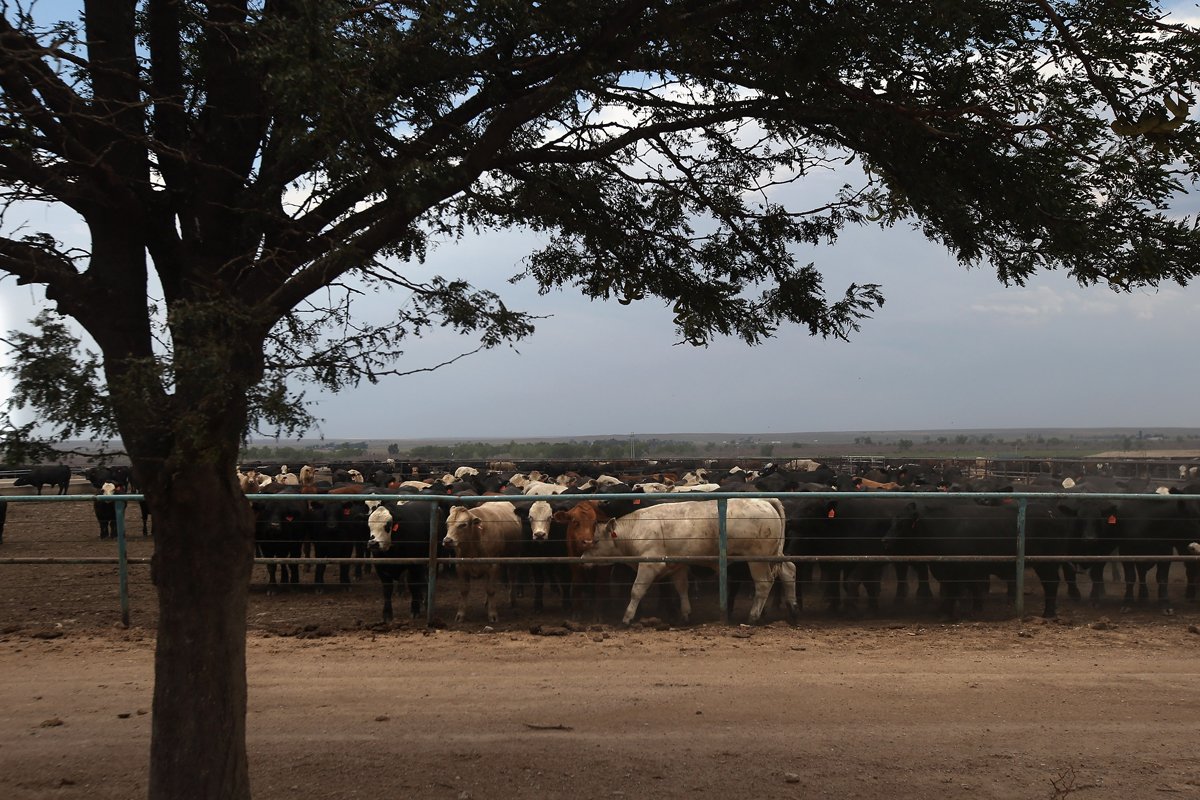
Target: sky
[{"x": 950, "y": 349}]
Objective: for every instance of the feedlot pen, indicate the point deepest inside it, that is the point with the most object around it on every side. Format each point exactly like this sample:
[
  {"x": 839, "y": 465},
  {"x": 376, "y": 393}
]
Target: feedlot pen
[
  {"x": 1100, "y": 704},
  {"x": 87, "y": 594}
]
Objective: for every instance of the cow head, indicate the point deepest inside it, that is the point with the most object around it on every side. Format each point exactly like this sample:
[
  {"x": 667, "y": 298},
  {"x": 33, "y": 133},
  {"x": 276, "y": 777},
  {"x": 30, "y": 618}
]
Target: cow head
[
  {"x": 540, "y": 517},
  {"x": 581, "y": 523},
  {"x": 381, "y": 525},
  {"x": 461, "y": 525}
]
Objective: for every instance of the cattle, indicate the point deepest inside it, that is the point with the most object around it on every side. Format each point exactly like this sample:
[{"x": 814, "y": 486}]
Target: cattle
[
  {"x": 852, "y": 525},
  {"x": 57, "y": 475},
  {"x": 543, "y": 537},
  {"x": 580, "y": 523},
  {"x": 690, "y": 530},
  {"x": 106, "y": 511},
  {"x": 946, "y": 527},
  {"x": 278, "y": 530},
  {"x": 399, "y": 529},
  {"x": 1142, "y": 527},
  {"x": 338, "y": 529},
  {"x": 490, "y": 530},
  {"x": 120, "y": 476}
]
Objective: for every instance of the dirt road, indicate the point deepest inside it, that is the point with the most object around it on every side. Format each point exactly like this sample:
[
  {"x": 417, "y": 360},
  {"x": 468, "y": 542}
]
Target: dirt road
[{"x": 991, "y": 710}]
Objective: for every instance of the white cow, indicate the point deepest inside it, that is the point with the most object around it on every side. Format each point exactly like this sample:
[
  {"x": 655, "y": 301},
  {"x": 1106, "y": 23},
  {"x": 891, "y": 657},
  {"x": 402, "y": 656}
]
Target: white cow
[
  {"x": 754, "y": 527},
  {"x": 541, "y": 487},
  {"x": 490, "y": 530},
  {"x": 540, "y": 516}
]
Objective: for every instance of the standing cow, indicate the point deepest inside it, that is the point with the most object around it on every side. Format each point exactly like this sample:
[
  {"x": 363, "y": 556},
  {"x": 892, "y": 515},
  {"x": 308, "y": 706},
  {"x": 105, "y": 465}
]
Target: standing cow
[
  {"x": 754, "y": 527},
  {"x": 106, "y": 511},
  {"x": 490, "y": 530},
  {"x": 57, "y": 475}
]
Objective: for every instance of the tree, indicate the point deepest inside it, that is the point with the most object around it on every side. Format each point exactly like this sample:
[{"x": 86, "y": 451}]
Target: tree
[{"x": 244, "y": 169}]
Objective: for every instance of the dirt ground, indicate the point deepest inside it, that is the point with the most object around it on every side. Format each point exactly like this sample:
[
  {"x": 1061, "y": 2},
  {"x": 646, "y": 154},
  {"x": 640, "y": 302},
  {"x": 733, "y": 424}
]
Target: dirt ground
[{"x": 1098, "y": 704}]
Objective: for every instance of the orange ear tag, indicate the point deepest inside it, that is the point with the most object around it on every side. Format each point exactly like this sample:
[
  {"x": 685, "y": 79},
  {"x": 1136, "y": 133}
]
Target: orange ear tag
[
  {"x": 1112, "y": 519},
  {"x": 637, "y": 502},
  {"x": 832, "y": 513},
  {"x": 395, "y": 527}
]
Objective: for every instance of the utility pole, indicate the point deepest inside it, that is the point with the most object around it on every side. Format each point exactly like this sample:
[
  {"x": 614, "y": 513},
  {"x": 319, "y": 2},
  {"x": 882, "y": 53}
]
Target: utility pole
[{"x": 631, "y": 449}]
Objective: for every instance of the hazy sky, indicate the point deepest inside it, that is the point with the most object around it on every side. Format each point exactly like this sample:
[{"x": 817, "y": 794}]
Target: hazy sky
[{"x": 951, "y": 348}]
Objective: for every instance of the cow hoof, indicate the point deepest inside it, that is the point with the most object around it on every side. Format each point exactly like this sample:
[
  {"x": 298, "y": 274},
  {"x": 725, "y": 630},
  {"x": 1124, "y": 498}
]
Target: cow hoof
[
  {"x": 1168, "y": 612},
  {"x": 1126, "y": 609}
]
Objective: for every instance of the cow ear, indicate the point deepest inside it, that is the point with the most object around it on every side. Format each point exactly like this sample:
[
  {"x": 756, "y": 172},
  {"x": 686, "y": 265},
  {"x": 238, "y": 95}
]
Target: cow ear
[
  {"x": 561, "y": 517},
  {"x": 611, "y": 528}
]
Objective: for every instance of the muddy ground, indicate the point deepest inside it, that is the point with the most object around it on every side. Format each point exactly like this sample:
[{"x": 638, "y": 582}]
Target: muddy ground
[{"x": 1099, "y": 704}]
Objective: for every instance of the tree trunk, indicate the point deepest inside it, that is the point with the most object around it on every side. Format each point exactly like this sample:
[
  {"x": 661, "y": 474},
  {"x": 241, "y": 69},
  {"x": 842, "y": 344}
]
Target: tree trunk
[{"x": 202, "y": 562}]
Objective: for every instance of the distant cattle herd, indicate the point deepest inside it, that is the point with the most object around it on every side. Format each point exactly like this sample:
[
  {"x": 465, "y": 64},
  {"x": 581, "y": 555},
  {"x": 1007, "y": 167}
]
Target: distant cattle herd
[{"x": 838, "y": 542}]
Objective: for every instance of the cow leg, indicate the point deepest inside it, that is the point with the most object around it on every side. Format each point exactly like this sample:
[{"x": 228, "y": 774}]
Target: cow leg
[
  {"x": 418, "y": 582},
  {"x": 1162, "y": 572},
  {"x": 831, "y": 584},
  {"x": 1069, "y": 576},
  {"x": 1096, "y": 575},
  {"x": 1048, "y": 574},
  {"x": 1192, "y": 570},
  {"x": 1143, "y": 581},
  {"x": 464, "y": 587},
  {"x": 537, "y": 573},
  {"x": 680, "y": 578},
  {"x": 872, "y": 579},
  {"x": 1130, "y": 584},
  {"x": 493, "y": 578},
  {"x": 646, "y": 575},
  {"x": 924, "y": 592},
  {"x": 791, "y": 597},
  {"x": 901, "y": 569},
  {"x": 387, "y": 580},
  {"x": 764, "y": 578}
]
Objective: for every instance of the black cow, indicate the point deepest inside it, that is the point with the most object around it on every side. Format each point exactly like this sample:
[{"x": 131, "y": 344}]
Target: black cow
[
  {"x": 852, "y": 525},
  {"x": 279, "y": 528},
  {"x": 1142, "y": 527},
  {"x": 106, "y": 511},
  {"x": 401, "y": 530},
  {"x": 57, "y": 475},
  {"x": 544, "y": 537},
  {"x": 122, "y": 478},
  {"x": 339, "y": 529},
  {"x": 949, "y": 527}
]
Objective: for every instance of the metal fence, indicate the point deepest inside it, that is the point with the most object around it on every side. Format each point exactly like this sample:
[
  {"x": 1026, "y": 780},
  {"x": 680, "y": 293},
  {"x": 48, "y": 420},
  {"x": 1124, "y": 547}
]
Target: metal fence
[{"x": 721, "y": 561}]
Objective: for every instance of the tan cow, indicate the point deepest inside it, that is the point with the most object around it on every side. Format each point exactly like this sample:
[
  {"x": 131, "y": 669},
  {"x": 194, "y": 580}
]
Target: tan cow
[{"x": 490, "y": 530}]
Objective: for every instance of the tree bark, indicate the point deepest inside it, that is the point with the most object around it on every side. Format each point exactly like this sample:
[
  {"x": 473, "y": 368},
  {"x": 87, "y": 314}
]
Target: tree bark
[{"x": 202, "y": 562}]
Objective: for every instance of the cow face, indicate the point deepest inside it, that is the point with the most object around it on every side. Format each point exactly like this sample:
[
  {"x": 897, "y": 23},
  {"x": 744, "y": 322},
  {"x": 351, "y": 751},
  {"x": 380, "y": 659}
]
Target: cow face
[
  {"x": 460, "y": 525},
  {"x": 381, "y": 525},
  {"x": 540, "y": 517},
  {"x": 581, "y": 526}
]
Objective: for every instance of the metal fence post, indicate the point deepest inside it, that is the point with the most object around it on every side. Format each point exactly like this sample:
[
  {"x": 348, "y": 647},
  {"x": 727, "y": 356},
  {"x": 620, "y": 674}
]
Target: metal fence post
[
  {"x": 431, "y": 577},
  {"x": 723, "y": 556},
  {"x": 122, "y": 562},
  {"x": 1022, "y": 504}
]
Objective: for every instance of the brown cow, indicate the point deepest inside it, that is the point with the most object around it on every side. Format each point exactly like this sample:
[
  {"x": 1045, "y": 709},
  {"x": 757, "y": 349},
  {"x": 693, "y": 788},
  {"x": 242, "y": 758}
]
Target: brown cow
[
  {"x": 490, "y": 530},
  {"x": 581, "y": 527}
]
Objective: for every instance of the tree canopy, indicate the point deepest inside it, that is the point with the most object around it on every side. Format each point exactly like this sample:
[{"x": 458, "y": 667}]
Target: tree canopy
[{"x": 244, "y": 170}]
